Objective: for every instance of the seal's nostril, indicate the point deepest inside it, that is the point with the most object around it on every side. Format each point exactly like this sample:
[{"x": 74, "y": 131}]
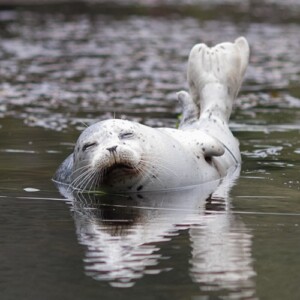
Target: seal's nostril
[{"x": 112, "y": 149}]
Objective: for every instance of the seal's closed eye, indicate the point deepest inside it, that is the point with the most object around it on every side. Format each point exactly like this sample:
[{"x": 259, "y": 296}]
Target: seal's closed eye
[
  {"x": 126, "y": 135},
  {"x": 88, "y": 145}
]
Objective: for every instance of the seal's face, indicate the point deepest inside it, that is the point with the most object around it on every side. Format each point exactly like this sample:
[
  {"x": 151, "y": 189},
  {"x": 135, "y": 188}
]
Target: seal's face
[{"x": 107, "y": 150}]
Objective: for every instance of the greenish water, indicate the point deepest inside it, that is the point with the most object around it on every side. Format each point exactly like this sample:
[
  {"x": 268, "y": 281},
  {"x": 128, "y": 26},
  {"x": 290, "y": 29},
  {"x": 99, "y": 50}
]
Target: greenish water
[{"x": 61, "y": 70}]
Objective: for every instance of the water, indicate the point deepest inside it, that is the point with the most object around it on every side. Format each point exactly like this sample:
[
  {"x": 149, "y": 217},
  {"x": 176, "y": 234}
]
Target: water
[{"x": 62, "y": 70}]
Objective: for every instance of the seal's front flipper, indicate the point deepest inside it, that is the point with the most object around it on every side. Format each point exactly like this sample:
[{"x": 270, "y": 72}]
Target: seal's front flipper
[
  {"x": 215, "y": 76},
  {"x": 212, "y": 147},
  {"x": 190, "y": 112}
]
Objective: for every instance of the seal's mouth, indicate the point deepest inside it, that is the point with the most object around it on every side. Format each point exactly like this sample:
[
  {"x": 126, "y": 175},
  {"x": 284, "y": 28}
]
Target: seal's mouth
[
  {"x": 119, "y": 166},
  {"x": 117, "y": 172}
]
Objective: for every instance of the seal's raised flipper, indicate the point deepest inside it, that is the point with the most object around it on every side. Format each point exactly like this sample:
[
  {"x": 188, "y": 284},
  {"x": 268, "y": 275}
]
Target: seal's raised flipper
[
  {"x": 212, "y": 147},
  {"x": 215, "y": 76},
  {"x": 190, "y": 112}
]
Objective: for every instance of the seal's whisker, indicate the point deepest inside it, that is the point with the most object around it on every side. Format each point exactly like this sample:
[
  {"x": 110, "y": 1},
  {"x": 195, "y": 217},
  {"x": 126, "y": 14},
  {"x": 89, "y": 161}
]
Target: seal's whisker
[
  {"x": 80, "y": 177},
  {"x": 86, "y": 181},
  {"x": 92, "y": 182},
  {"x": 86, "y": 125},
  {"x": 95, "y": 180},
  {"x": 162, "y": 167},
  {"x": 72, "y": 183},
  {"x": 89, "y": 180},
  {"x": 145, "y": 170},
  {"x": 81, "y": 168},
  {"x": 78, "y": 183}
]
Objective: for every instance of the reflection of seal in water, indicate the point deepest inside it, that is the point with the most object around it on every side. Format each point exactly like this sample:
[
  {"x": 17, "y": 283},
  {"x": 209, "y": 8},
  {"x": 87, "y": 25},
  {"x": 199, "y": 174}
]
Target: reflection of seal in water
[
  {"x": 122, "y": 236},
  {"x": 123, "y": 156}
]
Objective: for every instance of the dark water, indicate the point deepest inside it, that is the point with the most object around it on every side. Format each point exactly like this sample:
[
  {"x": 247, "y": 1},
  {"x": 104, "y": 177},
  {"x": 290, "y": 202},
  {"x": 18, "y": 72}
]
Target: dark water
[{"x": 64, "y": 69}]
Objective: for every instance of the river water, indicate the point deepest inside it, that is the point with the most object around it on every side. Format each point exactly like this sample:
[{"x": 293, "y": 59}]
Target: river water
[{"x": 64, "y": 67}]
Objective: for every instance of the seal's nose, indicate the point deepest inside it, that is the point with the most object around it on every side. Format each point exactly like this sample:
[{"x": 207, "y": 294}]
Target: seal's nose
[{"x": 112, "y": 149}]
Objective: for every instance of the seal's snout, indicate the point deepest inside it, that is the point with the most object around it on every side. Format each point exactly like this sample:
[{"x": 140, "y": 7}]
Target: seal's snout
[{"x": 112, "y": 149}]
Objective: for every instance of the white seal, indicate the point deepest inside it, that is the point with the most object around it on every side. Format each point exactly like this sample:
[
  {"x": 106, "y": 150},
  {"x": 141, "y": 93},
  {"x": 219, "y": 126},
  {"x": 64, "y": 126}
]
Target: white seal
[{"x": 123, "y": 156}]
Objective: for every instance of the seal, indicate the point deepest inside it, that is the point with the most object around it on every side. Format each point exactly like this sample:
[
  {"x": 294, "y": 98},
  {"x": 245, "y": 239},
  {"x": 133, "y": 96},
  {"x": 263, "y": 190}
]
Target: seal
[{"x": 123, "y": 156}]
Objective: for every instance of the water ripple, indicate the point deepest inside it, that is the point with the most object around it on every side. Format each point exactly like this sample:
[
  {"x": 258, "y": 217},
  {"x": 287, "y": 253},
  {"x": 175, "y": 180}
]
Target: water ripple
[{"x": 94, "y": 66}]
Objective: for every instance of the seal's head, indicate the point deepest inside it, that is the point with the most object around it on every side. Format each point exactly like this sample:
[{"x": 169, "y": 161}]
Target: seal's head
[{"x": 105, "y": 153}]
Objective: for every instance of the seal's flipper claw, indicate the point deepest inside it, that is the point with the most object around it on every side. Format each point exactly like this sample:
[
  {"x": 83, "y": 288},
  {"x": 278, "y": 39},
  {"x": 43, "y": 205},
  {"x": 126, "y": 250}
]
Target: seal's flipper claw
[
  {"x": 215, "y": 76},
  {"x": 189, "y": 109}
]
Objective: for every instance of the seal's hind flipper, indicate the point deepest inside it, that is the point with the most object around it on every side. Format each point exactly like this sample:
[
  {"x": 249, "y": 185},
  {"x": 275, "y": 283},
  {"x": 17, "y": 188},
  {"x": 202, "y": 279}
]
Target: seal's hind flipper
[
  {"x": 190, "y": 112},
  {"x": 215, "y": 76}
]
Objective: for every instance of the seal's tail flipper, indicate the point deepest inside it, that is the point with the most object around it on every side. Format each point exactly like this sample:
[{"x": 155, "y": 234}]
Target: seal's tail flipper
[{"x": 215, "y": 76}]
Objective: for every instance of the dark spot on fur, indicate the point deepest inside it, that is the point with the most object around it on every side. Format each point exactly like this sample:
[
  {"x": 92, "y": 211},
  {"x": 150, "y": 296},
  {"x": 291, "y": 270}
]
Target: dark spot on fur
[
  {"x": 203, "y": 149},
  {"x": 139, "y": 188},
  {"x": 198, "y": 157},
  {"x": 140, "y": 196}
]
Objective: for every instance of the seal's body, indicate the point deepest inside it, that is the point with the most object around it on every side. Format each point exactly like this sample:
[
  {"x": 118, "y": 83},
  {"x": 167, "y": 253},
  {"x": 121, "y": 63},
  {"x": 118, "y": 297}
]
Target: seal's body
[{"x": 123, "y": 156}]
